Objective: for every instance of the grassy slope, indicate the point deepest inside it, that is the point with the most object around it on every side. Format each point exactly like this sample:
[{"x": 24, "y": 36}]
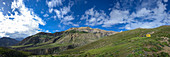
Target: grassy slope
[
  {"x": 129, "y": 43},
  {"x": 5, "y": 52}
]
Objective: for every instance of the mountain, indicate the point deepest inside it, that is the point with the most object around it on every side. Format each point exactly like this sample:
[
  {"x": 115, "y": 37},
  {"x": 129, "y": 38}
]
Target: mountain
[
  {"x": 49, "y": 43},
  {"x": 19, "y": 39},
  {"x": 133, "y": 43},
  {"x": 6, "y": 41}
]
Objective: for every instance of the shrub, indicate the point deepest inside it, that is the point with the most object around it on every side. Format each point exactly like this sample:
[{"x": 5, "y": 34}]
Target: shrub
[
  {"x": 153, "y": 49},
  {"x": 165, "y": 43},
  {"x": 130, "y": 55},
  {"x": 147, "y": 49},
  {"x": 161, "y": 44},
  {"x": 163, "y": 54}
]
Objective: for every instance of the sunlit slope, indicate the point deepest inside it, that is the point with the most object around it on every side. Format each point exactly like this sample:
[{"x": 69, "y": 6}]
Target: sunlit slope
[{"x": 129, "y": 43}]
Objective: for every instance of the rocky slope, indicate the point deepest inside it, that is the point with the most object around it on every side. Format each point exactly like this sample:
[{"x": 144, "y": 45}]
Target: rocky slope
[
  {"x": 88, "y": 29},
  {"x": 48, "y": 43},
  {"x": 6, "y": 41}
]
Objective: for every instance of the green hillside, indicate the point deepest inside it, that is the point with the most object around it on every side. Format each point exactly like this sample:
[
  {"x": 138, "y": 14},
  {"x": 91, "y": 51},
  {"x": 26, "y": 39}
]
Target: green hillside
[
  {"x": 133, "y": 43},
  {"x": 6, "y": 52}
]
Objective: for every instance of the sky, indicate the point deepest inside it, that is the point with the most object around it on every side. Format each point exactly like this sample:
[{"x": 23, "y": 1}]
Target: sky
[{"x": 23, "y": 18}]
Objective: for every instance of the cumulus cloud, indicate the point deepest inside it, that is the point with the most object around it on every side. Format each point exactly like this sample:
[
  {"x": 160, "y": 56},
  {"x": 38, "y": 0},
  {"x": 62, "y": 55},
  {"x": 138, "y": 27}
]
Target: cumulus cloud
[
  {"x": 21, "y": 24},
  {"x": 94, "y": 17},
  {"x": 65, "y": 16},
  {"x": 45, "y": 15},
  {"x": 116, "y": 16},
  {"x": 62, "y": 11},
  {"x": 145, "y": 16},
  {"x": 158, "y": 15}
]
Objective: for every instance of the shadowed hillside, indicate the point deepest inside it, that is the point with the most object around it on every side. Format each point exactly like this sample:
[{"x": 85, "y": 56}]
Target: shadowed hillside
[{"x": 6, "y": 41}]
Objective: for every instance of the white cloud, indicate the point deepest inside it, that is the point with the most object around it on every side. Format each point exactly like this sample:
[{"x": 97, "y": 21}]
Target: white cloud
[
  {"x": 47, "y": 31},
  {"x": 51, "y": 10},
  {"x": 156, "y": 15},
  {"x": 68, "y": 18},
  {"x": 56, "y": 30},
  {"x": 3, "y": 3},
  {"x": 116, "y": 16},
  {"x": 94, "y": 17},
  {"x": 65, "y": 16},
  {"x": 45, "y": 15},
  {"x": 54, "y": 3},
  {"x": 22, "y": 25},
  {"x": 63, "y": 11}
]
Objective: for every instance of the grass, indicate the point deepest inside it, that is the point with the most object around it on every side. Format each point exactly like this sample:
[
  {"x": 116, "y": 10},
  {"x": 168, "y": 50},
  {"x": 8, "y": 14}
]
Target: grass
[
  {"x": 5, "y": 52},
  {"x": 108, "y": 49},
  {"x": 21, "y": 46},
  {"x": 47, "y": 46}
]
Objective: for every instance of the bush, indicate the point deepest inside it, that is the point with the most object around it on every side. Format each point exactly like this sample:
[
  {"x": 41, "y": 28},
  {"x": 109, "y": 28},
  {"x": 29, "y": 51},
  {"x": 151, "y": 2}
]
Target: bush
[
  {"x": 158, "y": 47},
  {"x": 154, "y": 49},
  {"x": 165, "y": 43},
  {"x": 161, "y": 44},
  {"x": 163, "y": 54},
  {"x": 130, "y": 55},
  {"x": 147, "y": 49}
]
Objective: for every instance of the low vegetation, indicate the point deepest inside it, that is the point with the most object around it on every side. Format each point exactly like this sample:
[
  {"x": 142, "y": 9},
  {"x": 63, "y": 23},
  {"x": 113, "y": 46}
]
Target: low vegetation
[{"x": 6, "y": 52}]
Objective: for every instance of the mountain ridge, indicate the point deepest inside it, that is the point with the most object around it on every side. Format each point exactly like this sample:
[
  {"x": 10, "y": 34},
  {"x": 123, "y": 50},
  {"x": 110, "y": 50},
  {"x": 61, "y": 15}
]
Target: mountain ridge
[
  {"x": 61, "y": 41},
  {"x": 6, "y": 41}
]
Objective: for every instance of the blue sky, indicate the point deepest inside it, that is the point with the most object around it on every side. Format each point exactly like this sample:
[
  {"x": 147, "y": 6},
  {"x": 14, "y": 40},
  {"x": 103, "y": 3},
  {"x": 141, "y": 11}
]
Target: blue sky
[{"x": 22, "y": 18}]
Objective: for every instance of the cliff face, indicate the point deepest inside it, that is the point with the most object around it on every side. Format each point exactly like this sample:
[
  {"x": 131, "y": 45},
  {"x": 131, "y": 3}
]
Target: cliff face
[{"x": 49, "y": 43}]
